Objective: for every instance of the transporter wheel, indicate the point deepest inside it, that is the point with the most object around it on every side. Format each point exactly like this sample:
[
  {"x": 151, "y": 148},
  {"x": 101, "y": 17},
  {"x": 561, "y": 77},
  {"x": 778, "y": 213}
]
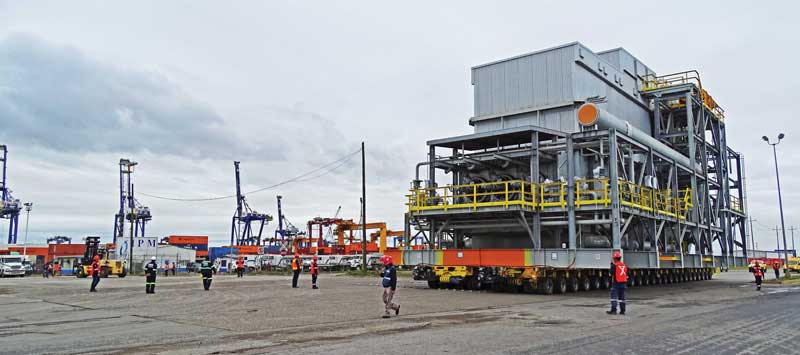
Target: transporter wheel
[
  {"x": 595, "y": 283},
  {"x": 560, "y": 285},
  {"x": 572, "y": 284},
  {"x": 528, "y": 287},
  {"x": 104, "y": 272},
  {"x": 586, "y": 284},
  {"x": 123, "y": 273},
  {"x": 606, "y": 282},
  {"x": 467, "y": 283},
  {"x": 673, "y": 278},
  {"x": 546, "y": 286},
  {"x": 651, "y": 279},
  {"x": 496, "y": 285},
  {"x": 639, "y": 280},
  {"x": 433, "y": 284}
]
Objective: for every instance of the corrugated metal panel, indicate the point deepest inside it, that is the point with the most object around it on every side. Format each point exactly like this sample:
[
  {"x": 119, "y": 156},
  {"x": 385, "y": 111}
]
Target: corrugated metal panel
[
  {"x": 540, "y": 88},
  {"x": 538, "y": 79}
]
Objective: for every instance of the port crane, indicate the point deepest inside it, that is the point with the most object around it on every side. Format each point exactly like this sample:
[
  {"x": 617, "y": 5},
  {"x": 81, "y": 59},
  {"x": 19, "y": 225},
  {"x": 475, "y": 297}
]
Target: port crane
[
  {"x": 130, "y": 209},
  {"x": 59, "y": 239},
  {"x": 245, "y": 218},
  {"x": 9, "y": 206}
]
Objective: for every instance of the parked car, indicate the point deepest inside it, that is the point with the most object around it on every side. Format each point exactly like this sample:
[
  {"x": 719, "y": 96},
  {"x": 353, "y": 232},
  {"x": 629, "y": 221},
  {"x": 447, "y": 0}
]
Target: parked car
[{"x": 11, "y": 265}]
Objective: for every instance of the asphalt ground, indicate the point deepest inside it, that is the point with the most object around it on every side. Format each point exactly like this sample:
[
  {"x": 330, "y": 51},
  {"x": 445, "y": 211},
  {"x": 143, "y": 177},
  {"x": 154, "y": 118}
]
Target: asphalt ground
[{"x": 263, "y": 314}]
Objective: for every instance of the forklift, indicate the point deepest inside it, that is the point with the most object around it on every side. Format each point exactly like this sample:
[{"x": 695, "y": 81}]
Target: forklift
[{"x": 107, "y": 267}]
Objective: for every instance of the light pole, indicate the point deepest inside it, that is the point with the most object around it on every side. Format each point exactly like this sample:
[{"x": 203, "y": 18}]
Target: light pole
[
  {"x": 780, "y": 199},
  {"x": 28, "y": 207}
]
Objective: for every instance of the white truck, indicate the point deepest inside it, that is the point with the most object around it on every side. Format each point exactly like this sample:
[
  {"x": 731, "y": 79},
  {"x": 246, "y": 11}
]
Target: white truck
[{"x": 11, "y": 265}]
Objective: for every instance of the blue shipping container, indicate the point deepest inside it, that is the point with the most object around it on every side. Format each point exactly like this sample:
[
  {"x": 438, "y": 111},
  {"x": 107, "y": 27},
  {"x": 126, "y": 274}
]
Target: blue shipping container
[{"x": 218, "y": 252}]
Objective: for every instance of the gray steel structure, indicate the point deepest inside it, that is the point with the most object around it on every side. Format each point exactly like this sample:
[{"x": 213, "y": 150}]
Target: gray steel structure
[{"x": 660, "y": 189}]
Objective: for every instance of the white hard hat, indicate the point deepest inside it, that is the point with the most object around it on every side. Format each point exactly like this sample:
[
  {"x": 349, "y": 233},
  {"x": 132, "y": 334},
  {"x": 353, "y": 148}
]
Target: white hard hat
[{"x": 153, "y": 258}]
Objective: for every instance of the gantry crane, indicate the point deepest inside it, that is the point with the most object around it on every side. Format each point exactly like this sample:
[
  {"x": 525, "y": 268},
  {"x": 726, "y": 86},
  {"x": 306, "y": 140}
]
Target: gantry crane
[
  {"x": 59, "y": 239},
  {"x": 286, "y": 233},
  {"x": 242, "y": 232},
  {"x": 9, "y": 206},
  {"x": 130, "y": 209}
]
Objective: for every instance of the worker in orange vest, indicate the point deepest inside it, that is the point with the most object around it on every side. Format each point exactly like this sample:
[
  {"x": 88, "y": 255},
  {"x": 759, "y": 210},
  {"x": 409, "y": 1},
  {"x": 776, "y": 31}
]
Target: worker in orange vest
[
  {"x": 777, "y": 267},
  {"x": 619, "y": 280},
  {"x": 239, "y": 267},
  {"x": 314, "y": 272},
  {"x": 758, "y": 272},
  {"x": 94, "y": 270},
  {"x": 296, "y": 268}
]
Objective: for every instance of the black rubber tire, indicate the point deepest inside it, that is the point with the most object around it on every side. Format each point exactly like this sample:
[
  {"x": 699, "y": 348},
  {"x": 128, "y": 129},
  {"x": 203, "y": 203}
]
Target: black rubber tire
[
  {"x": 586, "y": 284},
  {"x": 606, "y": 284},
  {"x": 572, "y": 284},
  {"x": 123, "y": 273},
  {"x": 596, "y": 283},
  {"x": 528, "y": 287},
  {"x": 467, "y": 283},
  {"x": 433, "y": 284},
  {"x": 560, "y": 285},
  {"x": 639, "y": 280},
  {"x": 546, "y": 286}
]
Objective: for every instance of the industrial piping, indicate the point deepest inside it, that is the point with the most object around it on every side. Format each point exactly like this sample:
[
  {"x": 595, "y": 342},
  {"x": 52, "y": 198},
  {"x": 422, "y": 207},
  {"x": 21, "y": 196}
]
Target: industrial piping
[{"x": 589, "y": 115}]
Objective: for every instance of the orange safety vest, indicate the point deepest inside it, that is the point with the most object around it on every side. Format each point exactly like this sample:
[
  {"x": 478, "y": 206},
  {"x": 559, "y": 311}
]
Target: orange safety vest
[
  {"x": 757, "y": 272},
  {"x": 620, "y": 272},
  {"x": 294, "y": 264},
  {"x": 239, "y": 263}
]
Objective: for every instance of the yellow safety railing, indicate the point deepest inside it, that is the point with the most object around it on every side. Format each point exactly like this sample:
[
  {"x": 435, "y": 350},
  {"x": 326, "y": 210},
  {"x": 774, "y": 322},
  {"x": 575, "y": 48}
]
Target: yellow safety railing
[
  {"x": 736, "y": 204},
  {"x": 592, "y": 192},
  {"x": 503, "y": 193},
  {"x": 651, "y": 82},
  {"x": 636, "y": 196},
  {"x": 553, "y": 194}
]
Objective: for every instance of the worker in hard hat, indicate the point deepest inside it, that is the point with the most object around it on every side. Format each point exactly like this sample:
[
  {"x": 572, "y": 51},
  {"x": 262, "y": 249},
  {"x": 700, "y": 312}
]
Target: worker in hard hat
[
  {"x": 206, "y": 272},
  {"x": 389, "y": 283},
  {"x": 314, "y": 272},
  {"x": 94, "y": 270},
  {"x": 758, "y": 273},
  {"x": 150, "y": 272},
  {"x": 297, "y": 267},
  {"x": 619, "y": 281},
  {"x": 240, "y": 267}
]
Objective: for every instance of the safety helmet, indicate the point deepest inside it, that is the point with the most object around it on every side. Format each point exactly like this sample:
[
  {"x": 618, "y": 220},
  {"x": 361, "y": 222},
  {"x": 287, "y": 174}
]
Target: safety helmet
[
  {"x": 617, "y": 255},
  {"x": 296, "y": 255},
  {"x": 153, "y": 258},
  {"x": 314, "y": 257},
  {"x": 97, "y": 257},
  {"x": 387, "y": 259}
]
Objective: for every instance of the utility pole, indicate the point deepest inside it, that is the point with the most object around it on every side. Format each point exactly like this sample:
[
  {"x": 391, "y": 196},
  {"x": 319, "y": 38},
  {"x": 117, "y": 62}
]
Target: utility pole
[
  {"x": 28, "y": 207},
  {"x": 780, "y": 199},
  {"x": 363, "y": 210},
  {"x": 752, "y": 236}
]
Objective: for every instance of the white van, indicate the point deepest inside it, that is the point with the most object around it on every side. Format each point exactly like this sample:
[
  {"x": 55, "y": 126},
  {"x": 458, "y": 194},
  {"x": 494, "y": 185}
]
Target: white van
[{"x": 11, "y": 265}]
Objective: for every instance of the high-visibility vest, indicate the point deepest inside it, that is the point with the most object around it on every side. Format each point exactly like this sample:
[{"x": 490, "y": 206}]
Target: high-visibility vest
[
  {"x": 620, "y": 272},
  {"x": 295, "y": 265},
  {"x": 757, "y": 271},
  {"x": 239, "y": 263}
]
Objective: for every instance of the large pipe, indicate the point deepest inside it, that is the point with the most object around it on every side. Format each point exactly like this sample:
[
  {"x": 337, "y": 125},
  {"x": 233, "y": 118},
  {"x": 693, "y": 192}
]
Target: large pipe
[{"x": 589, "y": 115}]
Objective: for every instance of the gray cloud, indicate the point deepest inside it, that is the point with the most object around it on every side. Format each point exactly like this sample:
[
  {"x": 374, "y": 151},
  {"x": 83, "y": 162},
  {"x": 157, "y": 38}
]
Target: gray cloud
[{"x": 59, "y": 98}]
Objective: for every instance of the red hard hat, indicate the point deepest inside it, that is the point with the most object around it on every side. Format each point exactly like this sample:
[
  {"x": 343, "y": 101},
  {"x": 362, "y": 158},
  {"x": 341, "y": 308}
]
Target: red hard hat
[
  {"x": 315, "y": 257},
  {"x": 97, "y": 257},
  {"x": 617, "y": 255},
  {"x": 296, "y": 254},
  {"x": 387, "y": 259}
]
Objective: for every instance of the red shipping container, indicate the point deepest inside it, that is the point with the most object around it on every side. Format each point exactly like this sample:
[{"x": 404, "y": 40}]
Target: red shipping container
[{"x": 187, "y": 239}]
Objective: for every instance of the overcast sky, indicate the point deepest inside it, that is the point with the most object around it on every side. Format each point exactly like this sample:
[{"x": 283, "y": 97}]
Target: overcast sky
[{"x": 185, "y": 87}]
